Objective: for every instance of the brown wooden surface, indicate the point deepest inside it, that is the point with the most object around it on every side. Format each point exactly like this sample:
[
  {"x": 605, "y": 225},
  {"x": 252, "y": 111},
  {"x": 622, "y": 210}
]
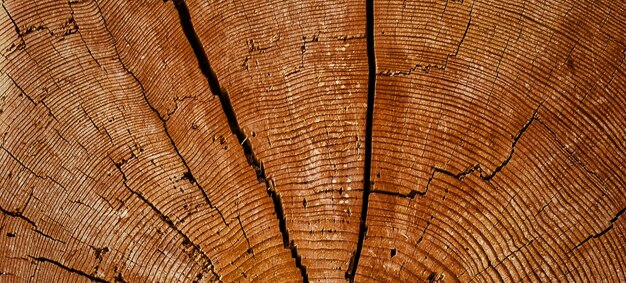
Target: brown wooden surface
[{"x": 497, "y": 143}]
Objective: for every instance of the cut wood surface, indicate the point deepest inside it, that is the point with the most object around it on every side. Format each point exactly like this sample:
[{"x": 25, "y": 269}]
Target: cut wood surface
[{"x": 312, "y": 141}]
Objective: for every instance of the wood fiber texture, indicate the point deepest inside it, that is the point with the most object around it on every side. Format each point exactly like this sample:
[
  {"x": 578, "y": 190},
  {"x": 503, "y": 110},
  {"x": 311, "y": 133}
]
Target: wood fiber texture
[{"x": 312, "y": 141}]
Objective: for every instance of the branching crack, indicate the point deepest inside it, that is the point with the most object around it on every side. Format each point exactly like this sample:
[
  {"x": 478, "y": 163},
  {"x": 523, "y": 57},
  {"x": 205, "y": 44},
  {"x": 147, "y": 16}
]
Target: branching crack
[
  {"x": 256, "y": 47},
  {"x": 70, "y": 3},
  {"x": 426, "y": 68},
  {"x": 484, "y": 175},
  {"x": 246, "y": 144},
  {"x": 21, "y": 44},
  {"x": 186, "y": 240},
  {"x": 305, "y": 40},
  {"x": 598, "y": 235},
  {"x": 187, "y": 175},
  {"x": 67, "y": 28}
]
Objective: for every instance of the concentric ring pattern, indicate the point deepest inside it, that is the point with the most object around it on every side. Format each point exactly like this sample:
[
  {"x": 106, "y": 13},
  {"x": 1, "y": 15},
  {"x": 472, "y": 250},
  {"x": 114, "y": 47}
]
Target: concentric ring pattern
[{"x": 322, "y": 141}]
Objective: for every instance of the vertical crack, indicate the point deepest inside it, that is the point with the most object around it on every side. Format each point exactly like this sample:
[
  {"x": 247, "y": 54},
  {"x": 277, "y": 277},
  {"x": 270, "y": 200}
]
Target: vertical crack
[
  {"x": 250, "y": 250},
  {"x": 229, "y": 111},
  {"x": 367, "y": 182}
]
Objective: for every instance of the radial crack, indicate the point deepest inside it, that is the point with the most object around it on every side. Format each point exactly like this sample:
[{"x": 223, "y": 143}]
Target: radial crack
[
  {"x": 369, "y": 118},
  {"x": 250, "y": 250},
  {"x": 18, "y": 214},
  {"x": 69, "y": 269},
  {"x": 494, "y": 266},
  {"x": 426, "y": 68},
  {"x": 31, "y": 170},
  {"x": 598, "y": 235},
  {"x": 471, "y": 169},
  {"x": 229, "y": 111},
  {"x": 187, "y": 241},
  {"x": 187, "y": 175},
  {"x": 572, "y": 154}
]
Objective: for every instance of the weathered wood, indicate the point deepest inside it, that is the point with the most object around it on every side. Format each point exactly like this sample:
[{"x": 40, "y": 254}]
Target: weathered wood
[
  {"x": 200, "y": 141},
  {"x": 498, "y": 134}
]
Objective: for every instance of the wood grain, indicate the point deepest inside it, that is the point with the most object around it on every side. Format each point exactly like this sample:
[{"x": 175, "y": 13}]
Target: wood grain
[
  {"x": 284, "y": 141},
  {"x": 497, "y": 142}
]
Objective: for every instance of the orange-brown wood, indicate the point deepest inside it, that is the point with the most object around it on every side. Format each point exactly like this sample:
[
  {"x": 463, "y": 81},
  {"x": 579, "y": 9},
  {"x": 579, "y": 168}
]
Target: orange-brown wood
[
  {"x": 290, "y": 141},
  {"x": 498, "y": 130}
]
